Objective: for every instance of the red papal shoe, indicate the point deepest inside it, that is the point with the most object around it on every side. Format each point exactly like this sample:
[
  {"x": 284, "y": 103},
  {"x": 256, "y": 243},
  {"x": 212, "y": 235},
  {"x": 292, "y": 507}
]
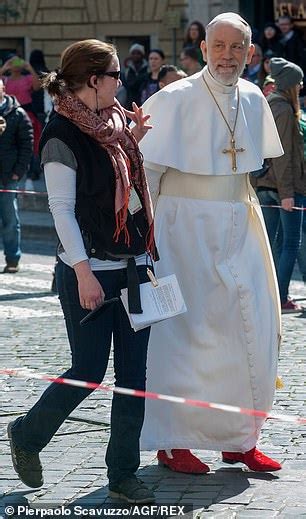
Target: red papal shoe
[
  {"x": 182, "y": 461},
  {"x": 254, "y": 459}
]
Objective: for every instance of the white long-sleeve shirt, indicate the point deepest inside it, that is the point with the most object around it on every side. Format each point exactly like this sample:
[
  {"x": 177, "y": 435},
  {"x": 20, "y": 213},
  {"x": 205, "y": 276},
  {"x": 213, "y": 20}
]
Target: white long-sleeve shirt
[{"x": 61, "y": 187}]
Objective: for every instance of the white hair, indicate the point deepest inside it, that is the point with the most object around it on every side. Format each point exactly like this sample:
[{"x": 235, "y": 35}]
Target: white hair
[{"x": 233, "y": 19}]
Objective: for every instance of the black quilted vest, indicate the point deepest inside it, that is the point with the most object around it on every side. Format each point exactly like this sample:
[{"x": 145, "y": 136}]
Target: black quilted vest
[{"x": 95, "y": 194}]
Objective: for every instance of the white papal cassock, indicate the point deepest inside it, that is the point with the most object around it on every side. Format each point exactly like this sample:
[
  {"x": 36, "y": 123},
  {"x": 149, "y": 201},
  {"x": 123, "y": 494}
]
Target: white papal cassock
[{"x": 210, "y": 233}]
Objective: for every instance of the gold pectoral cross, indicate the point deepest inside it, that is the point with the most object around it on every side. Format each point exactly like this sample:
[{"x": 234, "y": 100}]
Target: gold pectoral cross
[{"x": 233, "y": 151}]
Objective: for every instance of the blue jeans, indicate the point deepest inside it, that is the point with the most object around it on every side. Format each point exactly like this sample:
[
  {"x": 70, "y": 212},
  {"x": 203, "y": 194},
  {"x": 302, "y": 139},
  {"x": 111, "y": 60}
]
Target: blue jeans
[
  {"x": 284, "y": 230},
  {"x": 10, "y": 223},
  {"x": 90, "y": 348}
]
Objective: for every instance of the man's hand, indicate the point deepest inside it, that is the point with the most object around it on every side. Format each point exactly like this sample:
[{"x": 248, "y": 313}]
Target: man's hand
[
  {"x": 15, "y": 177},
  {"x": 287, "y": 204},
  {"x": 140, "y": 120}
]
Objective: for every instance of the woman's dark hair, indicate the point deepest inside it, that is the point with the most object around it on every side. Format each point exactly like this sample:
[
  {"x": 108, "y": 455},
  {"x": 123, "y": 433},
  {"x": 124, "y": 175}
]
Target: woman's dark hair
[
  {"x": 188, "y": 41},
  {"x": 163, "y": 71},
  {"x": 37, "y": 60},
  {"x": 79, "y": 61},
  {"x": 191, "y": 52},
  {"x": 263, "y": 39},
  {"x": 273, "y": 43},
  {"x": 158, "y": 51}
]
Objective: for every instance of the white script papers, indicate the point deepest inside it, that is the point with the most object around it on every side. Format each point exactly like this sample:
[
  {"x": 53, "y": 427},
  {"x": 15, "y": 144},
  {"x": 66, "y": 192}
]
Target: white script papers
[{"x": 158, "y": 302}]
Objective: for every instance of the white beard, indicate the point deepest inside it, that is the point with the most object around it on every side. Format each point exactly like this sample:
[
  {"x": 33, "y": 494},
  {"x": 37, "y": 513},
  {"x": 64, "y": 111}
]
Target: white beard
[{"x": 231, "y": 79}]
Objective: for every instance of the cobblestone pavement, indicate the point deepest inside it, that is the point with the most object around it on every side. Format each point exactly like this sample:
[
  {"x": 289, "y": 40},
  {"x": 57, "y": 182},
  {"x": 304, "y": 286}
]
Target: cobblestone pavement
[{"x": 33, "y": 335}]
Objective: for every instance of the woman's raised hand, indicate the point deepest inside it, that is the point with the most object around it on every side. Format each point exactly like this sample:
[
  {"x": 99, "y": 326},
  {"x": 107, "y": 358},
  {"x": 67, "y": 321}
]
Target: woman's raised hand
[{"x": 140, "y": 120}]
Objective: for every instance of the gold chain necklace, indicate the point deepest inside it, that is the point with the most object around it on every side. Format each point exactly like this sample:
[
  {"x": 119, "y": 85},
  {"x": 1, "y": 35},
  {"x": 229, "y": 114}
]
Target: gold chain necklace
[{"x": 233, "y": 150}]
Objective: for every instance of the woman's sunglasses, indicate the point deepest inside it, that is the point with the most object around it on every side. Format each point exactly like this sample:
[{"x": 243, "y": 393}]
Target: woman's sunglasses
[{"x": 112, "y": 73}]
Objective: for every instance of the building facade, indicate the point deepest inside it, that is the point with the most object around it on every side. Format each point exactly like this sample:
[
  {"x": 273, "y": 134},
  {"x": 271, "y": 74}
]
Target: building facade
[{"x": 51, "y": 25}]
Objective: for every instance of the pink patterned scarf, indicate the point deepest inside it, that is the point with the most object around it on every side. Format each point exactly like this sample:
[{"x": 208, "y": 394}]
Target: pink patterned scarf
[{"x": 110, "y": 130}]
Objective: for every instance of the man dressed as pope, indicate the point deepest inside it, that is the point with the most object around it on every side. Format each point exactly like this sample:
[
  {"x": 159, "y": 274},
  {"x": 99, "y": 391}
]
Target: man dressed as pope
[{"x": 209, "y": 131}]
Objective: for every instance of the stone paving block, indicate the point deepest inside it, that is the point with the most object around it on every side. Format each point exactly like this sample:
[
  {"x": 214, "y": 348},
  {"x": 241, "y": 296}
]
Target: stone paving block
[
  {"x": 241, "y": 499},
  {"x": 173, "y": 485},
  {"x": 267, "y": 504},
  {"x": 218, "y": 515},
  {"x": 258, "y": 514},
  {"x": 200, "y": 495},
  {"x": 221, "y": 507},
  {"x": 292, "y": 512},
  {"x": 168, "y": 494},
  {"x": 196, "y": 503},
  {"x": 76, "y": 476}
]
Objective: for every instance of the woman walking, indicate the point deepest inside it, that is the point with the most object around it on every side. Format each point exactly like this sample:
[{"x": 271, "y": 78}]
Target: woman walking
[
  {"x": 285, "y": 182},
  {"x": 94, "y": 174}
]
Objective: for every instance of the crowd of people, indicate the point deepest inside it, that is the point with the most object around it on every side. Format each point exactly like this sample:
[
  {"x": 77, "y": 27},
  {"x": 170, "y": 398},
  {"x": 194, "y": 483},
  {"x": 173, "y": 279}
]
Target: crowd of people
[
  {"x": 145, "y": 73},
  {"x": 182, "y": 167},
  {"x": 278, "y": 67}
]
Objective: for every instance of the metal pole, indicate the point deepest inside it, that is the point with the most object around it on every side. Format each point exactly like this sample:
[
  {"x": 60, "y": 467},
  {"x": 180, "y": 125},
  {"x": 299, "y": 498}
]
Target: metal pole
[{"x": 174, "y": 45}]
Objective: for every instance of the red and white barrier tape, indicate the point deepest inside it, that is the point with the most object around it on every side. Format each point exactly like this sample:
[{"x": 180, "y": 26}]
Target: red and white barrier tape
[
  {"x": 24, "y": 192},
  {"x": 280, "y": 207},
  {"x": 26, "y": 373}
]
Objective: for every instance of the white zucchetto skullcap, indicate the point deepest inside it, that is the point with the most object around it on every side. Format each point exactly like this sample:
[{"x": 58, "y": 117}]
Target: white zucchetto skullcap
[{"x": 229, "y": 17}]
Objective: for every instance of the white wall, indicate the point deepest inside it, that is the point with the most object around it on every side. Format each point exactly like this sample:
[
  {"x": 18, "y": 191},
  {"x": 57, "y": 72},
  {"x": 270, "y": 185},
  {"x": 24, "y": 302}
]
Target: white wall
[{"x": 205, "y": 10}]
